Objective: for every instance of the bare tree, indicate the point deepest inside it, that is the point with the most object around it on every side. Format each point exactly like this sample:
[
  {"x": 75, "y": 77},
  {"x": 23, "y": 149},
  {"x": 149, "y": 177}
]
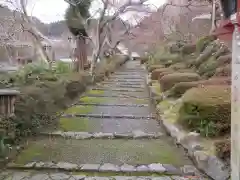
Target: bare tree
[
  {"x": 100, "y": 33},
  {"x": 27, "y": 25}
]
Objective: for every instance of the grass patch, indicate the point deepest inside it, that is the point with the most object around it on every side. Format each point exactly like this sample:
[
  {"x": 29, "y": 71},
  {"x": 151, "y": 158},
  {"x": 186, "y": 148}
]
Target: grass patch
[
  {"x": 104, "y": 151},
  {"x": 87, "y": 99},
  {"x": 78, "y": 109},
  {"x": 96, "y": 92},
  {"x": 74, "y": 124},
  {"x": 169, "y": 109},
  {"x": 141, "y": 101}
]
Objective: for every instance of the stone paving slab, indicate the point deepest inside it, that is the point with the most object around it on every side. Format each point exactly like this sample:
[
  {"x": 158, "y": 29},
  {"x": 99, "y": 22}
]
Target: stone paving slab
[
  {"x": 118, "y": 89},
  {"x": 114, "y": 100},
  {"x": 119, "y": 105},
  {"x": 123, "y": 83},
  {"x": 118, "y": 85},
  {"x": 36, "y": 175},
  {"x": 121, "y": 110},
  {"x": 138, "y": 95},
  {"x": 102, "y": 115},
  {"x": 99, "y": 151}
]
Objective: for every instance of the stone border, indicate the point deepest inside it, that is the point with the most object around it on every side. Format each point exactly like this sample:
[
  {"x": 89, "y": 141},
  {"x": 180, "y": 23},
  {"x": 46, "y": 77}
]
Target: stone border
[
  {"x": 118, "y": 89},
  {"x": 120, "y": 105},
  {"x": 101, "y": 135},
  {"x": 108, "y": 116},
  {"x": 209, "y": 164},
  {"x": 108, "y": 167}
]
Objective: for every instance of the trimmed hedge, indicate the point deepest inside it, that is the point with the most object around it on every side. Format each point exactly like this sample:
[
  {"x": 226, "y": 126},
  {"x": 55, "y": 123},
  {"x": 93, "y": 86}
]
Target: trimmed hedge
[
  {"x": 224, "y": 71},
  {"x": 223, "y": 60},
  {"x": 168, "y": 81},
  {"x": 178, "y": 66},
  {"x": 208, "y": 68},
  {"x": 188, "y": 49},
  {"x": 156, "y": 72},
  {"x": 153, "y": 67},
  {"x": 207, "y": 110},
  {"x": 223, "y": 149},
  {"x": 180, "y": 88}
]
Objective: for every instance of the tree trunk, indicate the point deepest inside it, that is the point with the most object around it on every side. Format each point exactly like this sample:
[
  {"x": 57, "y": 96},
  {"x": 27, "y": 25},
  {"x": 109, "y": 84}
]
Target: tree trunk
[{"x": 81, "y": 53}]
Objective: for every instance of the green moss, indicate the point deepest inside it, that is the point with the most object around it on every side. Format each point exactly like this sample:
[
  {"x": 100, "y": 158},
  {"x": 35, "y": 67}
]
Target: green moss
[
  {"x": 79, "y": 110},
  {"x": 112, "y": 151},
  {"x": 141, "y": 101},
  {"x": 74, "y": 124},
  {"x": 30, "y": 153},
  {"x": 87, "y": 99},
  {"x": 96, "y": 92}
]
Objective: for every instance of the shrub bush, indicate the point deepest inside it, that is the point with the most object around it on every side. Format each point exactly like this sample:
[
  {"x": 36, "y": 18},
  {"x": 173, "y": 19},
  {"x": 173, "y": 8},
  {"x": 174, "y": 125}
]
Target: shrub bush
[
  {"x": 153, "y": 67},
  {"x": 44, "y": 93},
  {"x": 223, "y": 60},
  {"x": 178, "y": 66},
  {"x": 207, "y": 53},
  {"x": 208, "y": 68},
  {"x": 203, "y": 42},
  {"x": 216, "y": 81},
  {"x": 223, "y": 149},
  {"x": 207, "y": 110},
  {"x": 224, "y": 71},
  {"x": 180, "y": 88},
  {"x": 188, "y": 49},
  {"x": 155, "y": 73},
  {"x": 168, "y": 81}
]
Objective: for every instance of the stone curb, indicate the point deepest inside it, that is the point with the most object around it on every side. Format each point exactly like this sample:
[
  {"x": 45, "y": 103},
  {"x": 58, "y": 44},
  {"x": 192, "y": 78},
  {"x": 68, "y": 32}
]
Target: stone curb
[
  {"x": 106, "y": 167},
  {"x": 121, "y": 105},
  {"x": 117, "y": 89},
  {"x": 101, "y": 135},
  {"x": 209, "y": 164},
  {"x": 108, "y": 116}
]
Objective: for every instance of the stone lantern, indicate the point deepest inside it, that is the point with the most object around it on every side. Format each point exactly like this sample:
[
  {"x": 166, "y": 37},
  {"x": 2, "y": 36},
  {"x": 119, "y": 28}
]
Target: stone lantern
[{"x": 7, "y": 101}]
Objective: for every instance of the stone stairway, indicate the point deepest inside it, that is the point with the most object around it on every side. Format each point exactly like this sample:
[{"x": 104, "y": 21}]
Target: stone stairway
[{"x": 111, "y": 133}]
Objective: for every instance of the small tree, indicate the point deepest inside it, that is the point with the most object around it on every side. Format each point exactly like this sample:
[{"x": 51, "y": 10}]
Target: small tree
[
  {"x": 100, "y": 33},
  {"x": 76, "y": 15}
]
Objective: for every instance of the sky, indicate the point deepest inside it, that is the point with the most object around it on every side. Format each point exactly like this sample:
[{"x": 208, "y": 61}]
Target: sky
[{"x": 53, "y": 10}]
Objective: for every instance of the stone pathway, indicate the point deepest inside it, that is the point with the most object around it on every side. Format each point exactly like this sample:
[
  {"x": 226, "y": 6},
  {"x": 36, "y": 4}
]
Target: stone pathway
[{"x": 111, "y": 133}]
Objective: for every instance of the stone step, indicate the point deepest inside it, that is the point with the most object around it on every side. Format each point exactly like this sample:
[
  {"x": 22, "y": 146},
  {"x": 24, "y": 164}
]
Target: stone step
[
  {"x": 118, "y": 89},
  {"x": 40, "y": 175},
  {"x": 106, "y": 95},
  {"x": 126, "y": 77},
  {"x": 108, "y": 116},
  {"x": 101, "y": 151},
  {"x": 114, "y": 100},
  {"x": 126, "y": 86},
  {"x": 125, "y": 80},
  {"x": 163, "y": 169},
  {"x": 109, "y": 125},
  {"x": 101, "y": 135},
  {"x": 121, "y": 105},
  {"x": 111, "y": 111}
]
